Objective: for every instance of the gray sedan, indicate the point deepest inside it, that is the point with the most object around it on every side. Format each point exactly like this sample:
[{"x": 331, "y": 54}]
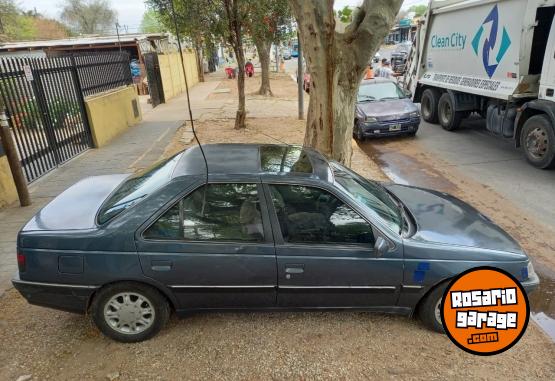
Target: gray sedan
[
  {"x": 263, "y": 227},
  {"x": 384, "y": 109}
]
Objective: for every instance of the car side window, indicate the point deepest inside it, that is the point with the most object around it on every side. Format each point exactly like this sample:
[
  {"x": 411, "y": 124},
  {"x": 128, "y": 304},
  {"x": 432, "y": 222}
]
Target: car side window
[
  {"x": 312, "y": 215},
  {"x": 217, "y": 212}
]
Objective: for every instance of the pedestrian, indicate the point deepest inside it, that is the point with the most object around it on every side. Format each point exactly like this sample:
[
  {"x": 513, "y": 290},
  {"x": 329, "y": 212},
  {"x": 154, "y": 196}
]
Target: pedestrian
[
  {"x": 386, "y": 71},
  {"x": 369, "y": 73},
  {"x": 377, "y": 72}
]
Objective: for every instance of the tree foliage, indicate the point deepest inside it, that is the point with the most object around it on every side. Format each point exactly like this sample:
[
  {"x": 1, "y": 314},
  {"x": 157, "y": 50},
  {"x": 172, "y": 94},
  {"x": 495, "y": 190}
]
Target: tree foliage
[
  {"x": 88, "y": 16},
  {"x": 16, "y": 25},
  {"x": 151, "y": 23},
  {"x": 419, "y": 10}
]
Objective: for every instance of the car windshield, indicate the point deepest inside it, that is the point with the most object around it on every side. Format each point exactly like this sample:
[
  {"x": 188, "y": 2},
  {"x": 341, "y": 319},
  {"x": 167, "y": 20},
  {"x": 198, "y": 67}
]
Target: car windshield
[
  {"x": 379, "y": 91},
  {"x": 136, "y": 188},
  {"x": 372, "y": 195}
]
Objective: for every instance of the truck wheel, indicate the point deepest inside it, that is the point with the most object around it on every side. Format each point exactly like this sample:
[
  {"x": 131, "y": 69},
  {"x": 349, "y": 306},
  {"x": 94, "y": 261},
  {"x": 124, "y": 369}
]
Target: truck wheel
[
  {"x": 428, "y": 105},
  {"x": 449, "y": 119},
  {"x": 538, "y": 140},
  {"x": 130, "y": 312}
]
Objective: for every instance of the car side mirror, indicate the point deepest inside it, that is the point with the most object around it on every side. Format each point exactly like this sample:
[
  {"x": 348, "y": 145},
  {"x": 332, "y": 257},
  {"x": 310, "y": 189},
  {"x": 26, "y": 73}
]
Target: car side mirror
[{"x": 381, "y": 247}]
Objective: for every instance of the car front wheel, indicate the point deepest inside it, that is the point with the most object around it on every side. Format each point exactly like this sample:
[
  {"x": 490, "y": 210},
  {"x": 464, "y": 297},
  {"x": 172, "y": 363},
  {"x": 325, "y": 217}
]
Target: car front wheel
[
  {"x": 429, "y": 310},
  {"x": 130, "y": 312}
]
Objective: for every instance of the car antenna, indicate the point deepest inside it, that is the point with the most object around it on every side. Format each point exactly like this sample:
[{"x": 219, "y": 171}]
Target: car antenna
[{"x": 187, "y": 87}]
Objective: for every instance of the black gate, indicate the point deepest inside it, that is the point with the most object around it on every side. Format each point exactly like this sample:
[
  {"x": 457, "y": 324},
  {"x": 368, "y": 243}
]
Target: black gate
[
  {"x": 44, "y": 100},
  {"x": 154, "y": 78}
]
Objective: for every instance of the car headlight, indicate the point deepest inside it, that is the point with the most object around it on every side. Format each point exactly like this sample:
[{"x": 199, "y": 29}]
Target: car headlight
[
  {"x": 415, "y": 114},
  {"x": 370, "y": 119}
]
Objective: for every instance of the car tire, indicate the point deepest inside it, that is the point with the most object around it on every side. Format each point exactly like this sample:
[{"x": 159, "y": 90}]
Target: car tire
[
  {"x": 449, "y": 119},
  {"x": 428, "y": 310},
  {"x": 428, "y": 104},
  {"x": 538, "y": 141},
  {"x": 151, "y": 314},
  {"x": 359, "y": 136}
]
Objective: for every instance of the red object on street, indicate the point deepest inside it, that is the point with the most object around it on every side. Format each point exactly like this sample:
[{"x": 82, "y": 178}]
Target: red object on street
[
  {"x": 230, "y": 72},
  {"x": 249, "y": 69}
]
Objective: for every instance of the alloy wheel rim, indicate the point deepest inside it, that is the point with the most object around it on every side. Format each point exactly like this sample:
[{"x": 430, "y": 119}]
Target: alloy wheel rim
[
  {"x": 129, "y": 313},
  {"x": 537, "y": 143},
  {"x": 437, "y": 311}
]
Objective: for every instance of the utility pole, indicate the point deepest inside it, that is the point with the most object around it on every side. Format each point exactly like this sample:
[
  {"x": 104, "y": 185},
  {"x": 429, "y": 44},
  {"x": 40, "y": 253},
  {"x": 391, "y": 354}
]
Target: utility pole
[
  {"x": 13, "y": 160},
  {"x": 117, "y": 32},
  {"x": 300, "y": 78}
]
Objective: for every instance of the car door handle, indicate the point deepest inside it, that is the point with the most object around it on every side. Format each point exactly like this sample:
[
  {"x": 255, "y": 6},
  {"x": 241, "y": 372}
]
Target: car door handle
[
  {"x": 294, "y": 270},
  {"x": 160, "y": 265}
]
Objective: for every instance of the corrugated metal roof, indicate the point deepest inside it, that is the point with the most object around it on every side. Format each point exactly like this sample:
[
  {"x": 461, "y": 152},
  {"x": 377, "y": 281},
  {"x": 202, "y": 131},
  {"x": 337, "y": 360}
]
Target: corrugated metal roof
[{"x": 89, "y": 40}]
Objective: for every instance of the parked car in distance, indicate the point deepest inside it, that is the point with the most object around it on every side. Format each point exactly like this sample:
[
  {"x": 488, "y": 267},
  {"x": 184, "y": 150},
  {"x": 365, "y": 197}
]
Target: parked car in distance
[
  {"x": 399, "y": 57},
  {"x": 384, "y": 109},
  {"x": 287, "y": 54},
  {"x": 272, "y": 227},
  {"x": 376, "y": 58}
]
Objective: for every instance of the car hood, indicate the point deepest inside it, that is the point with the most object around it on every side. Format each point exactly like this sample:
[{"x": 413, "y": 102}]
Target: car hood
[
  {"x": 397, "y": 108},
  {"x": 444, "y": 219},
  {"x": 76, "y": 207}
]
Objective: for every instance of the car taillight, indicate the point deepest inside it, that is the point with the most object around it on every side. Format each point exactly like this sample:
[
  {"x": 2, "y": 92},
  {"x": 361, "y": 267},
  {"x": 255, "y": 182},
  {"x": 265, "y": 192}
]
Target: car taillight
[{"x": 21, "y": 262}]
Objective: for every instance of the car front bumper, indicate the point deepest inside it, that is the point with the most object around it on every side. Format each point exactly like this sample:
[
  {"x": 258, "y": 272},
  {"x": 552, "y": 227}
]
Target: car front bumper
[
  {"x": 385, "y": 128},
  {"x": 65, "y": 297},
  {"x": 532, "y": 283}
]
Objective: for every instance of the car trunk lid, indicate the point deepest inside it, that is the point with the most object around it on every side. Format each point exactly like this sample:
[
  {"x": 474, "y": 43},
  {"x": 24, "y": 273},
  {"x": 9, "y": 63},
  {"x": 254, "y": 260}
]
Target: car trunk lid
[{"x": 76, "y": 207}]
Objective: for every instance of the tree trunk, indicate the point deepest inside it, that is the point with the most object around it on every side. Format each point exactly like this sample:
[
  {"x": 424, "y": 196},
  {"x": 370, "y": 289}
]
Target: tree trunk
[
  {"x": 200, "y": 66},
  {"x": 336, "y": 63},
  {"x": 241, "y": 116},
  {"x": 236, "y": 41},
  {"x": 263, "y": 48}
]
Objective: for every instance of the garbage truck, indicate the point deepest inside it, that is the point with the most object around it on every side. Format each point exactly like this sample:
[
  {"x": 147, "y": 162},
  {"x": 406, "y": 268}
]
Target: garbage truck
[{"x": 493, "y": 58}]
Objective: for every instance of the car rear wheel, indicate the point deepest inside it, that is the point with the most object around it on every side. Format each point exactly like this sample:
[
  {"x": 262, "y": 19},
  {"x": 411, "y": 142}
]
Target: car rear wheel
[
  {"x": 538, "y": 140},
  {"x": 130, "y": 312},
  {"x": 429, "y": 310},
  {"x": 449, "y": 119},
  {"x": 428, "y": 104}
]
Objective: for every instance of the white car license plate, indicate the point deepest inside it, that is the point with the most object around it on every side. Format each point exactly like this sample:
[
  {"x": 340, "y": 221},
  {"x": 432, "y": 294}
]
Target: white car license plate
[{"x": 395, "y": 127}]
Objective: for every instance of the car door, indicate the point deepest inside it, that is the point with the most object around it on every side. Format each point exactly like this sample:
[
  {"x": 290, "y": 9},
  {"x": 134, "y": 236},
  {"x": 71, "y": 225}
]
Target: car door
[
  {"x": 325, "y": 252},
  {"x": 213, "y": 248}
]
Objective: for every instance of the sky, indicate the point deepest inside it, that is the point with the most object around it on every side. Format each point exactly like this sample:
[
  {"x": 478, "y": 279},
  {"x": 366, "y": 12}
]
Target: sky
[{"x": 130, "y": 12}]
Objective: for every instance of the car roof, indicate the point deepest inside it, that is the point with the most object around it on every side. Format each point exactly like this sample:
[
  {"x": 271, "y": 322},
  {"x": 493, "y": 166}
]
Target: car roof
[{"x": 253, "y": 159}]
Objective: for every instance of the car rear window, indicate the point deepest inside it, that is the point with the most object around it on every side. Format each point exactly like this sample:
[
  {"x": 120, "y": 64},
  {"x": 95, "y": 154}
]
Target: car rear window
[
  {"x": 284, "y": 159},
  {"x": 136, "y": 188}
]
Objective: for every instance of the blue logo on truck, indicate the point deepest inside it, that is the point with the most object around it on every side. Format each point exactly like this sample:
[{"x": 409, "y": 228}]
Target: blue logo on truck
[{"x": 490, "y": 42}]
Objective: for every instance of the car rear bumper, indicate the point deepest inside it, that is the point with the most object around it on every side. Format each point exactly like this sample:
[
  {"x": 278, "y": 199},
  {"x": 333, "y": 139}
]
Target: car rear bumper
[{"x": 65, "y": 297}]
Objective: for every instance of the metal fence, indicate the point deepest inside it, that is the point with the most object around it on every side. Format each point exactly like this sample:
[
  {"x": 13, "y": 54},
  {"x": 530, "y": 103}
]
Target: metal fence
[
  {"x": 99, "y": 72},
  {"x": 45, "y": 103}
]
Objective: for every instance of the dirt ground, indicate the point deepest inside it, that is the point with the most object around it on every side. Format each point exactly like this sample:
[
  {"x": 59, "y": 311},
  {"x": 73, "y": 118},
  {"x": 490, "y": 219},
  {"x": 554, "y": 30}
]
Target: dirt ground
[{"x": 51, "y": 345}]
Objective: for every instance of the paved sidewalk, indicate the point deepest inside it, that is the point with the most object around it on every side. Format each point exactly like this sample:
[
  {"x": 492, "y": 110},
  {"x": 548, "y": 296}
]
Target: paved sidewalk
[{"x": 139, "y": 147}]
